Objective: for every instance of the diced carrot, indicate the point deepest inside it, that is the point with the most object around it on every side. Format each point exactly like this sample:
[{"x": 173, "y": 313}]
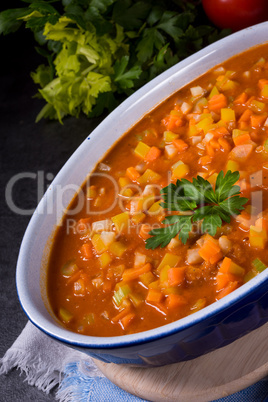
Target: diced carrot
[
  {"x": 262, "y": 83},
  {"x": 225, "y": 265},
  {"x": 180, "y": 145},
  {"x": 222, "y": 280},
  {"x": 252, "y": 98},
  {"x": 121, "y": 314},
  {"x": 217, "y": 102},
  {"x": 228, "y": 289},
  {"x": 75, "y": 277},
  {"x": 174, "y": 121},
  {"x": 133, "y": 273},
  {"x": 132, "y": 173},
  {"x": 154, "y": 296},
  {"x": 144, "y": 231},
  {"x": 214, "y": 144},
  {"x": 243, "y": 125},
  {"x": 210, "y": 150},
  {"x": 86, "y": 251},
  {"x": 245, "y": 116},
  {"x": 220, "y": 131},
  {"x": 210, "y": 252},
  {"x": 257, "y": 120},
  {"x": 127, "y": 319},
  {"x": 216, "y": 257},
  {"x": 224, "y": 144},
  {"x": 205, "y": 160},
  {"x": 176, "y": 276},
  {"x": 242, "y": 139},
  {"x": 153, "y": 154},
  {"x": 174, "y": 301},
  {"x": 242, "y": 98}
]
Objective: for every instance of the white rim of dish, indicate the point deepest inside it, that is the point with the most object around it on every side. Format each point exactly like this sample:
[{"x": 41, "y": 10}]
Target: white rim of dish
[{"x": 50, "y": 327}]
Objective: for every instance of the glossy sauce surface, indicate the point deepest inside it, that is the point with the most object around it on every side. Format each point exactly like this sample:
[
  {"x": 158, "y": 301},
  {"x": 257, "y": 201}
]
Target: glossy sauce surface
[{"x": 101, "y": 279}]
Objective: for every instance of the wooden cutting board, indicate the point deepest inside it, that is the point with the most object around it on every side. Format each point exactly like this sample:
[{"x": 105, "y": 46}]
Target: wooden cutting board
[{"x": 209, "y": 377}]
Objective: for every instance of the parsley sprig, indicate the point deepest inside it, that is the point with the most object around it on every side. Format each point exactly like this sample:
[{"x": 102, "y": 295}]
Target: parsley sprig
[{"x": 197, "y": 201}]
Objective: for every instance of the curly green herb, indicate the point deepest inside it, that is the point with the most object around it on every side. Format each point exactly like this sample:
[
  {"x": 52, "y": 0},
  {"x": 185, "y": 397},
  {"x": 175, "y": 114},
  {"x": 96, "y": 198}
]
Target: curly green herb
[{"x": 197, "y": 201}]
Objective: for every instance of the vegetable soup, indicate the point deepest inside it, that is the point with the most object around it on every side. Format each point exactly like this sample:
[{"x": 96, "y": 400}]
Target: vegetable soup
[{"x": 175, "y": 216}]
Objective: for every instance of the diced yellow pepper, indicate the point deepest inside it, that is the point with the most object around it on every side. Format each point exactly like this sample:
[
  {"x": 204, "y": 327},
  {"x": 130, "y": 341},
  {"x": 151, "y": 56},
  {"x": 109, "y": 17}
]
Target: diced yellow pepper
[
  {"x": 257, "y": 237},
  {"x": 154, "y": 285},
  {"x": 180, "y": 170},
  {"x": 227, "y": 85},
  {"x": 212, "y": 179},
  {"x": 213, "y": 92},
  {"x": 123, "y": 181},
  {"x": 147, "y": 278},
  {"x": 126, "y": 192},
  {"x": 227, "y": 114},
  {"x": 146, "y": 202},
  {"x": 205, "y": 123},
  {"x": 192, "y": 131},
  {"x": 105, "y": 259},
  {"x": 169, "y": 259},
  {"x": 121, "y": 221},
  {"x": 257, "y": 106},
  {"x": 149, "y": 176},
  {"x": 155, "y": 209},
  {"x": 117, "y": 248},
  {"x": 98, "y": 244},
  {"x": 232, "y": 165},
  {"x": 236, "y": 269},
  {"x": 264, "y": 91},
  {"x": 92, "y": 192},
  {"x": 138, "y": 218},
  {"x": 65, "y": 315},
  {"x": 163, "y": 277},
  {"x": 236, "y": 133},
  {"x": 142, "y": 149},
  {"x": 169, "y": 136}
]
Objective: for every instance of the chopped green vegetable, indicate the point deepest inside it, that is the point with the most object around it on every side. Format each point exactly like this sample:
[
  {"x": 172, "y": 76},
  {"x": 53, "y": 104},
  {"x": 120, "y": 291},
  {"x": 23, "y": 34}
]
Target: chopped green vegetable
[
  {"x": 69, "y": 268},
  {"x": 99, "y": 52},
  {"x": 202, "y": 203},
  {"x": 259, "y": 265},
  {"x": 120, "y": 294}
]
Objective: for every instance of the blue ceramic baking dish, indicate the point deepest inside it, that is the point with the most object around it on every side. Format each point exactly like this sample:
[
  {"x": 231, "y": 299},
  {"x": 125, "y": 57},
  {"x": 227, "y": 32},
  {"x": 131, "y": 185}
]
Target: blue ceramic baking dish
[{"x": 213, "y": 327}]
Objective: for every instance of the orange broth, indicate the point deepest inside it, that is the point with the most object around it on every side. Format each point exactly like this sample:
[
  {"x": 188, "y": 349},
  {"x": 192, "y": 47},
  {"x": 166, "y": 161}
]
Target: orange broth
[{"x": 102, "y": 281}]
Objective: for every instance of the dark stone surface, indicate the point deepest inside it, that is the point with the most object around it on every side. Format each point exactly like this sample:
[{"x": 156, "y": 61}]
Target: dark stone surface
[{"x": 30, "y": 147}]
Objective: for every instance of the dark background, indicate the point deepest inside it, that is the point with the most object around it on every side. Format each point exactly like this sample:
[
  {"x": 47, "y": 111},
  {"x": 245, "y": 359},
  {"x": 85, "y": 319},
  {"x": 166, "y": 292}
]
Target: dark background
[{"x": 25, "y": 146}]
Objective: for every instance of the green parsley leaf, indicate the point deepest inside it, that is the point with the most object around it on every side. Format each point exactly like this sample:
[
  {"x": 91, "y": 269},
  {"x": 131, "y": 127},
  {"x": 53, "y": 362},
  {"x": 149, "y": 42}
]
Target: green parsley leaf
[
  {"x": 162, "y": 236},
  {"x": 202, "y": 203}
]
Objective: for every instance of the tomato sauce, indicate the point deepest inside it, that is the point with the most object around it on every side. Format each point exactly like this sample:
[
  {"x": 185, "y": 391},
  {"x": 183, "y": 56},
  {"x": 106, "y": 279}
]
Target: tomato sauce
[{"x": 102, "y": 281}]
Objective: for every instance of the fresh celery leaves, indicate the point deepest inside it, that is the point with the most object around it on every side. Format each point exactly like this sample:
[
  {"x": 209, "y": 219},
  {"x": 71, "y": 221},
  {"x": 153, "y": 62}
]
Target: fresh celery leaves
[
  {"x": 100, "y": 51},
  {"x": 201, "y": 203}
]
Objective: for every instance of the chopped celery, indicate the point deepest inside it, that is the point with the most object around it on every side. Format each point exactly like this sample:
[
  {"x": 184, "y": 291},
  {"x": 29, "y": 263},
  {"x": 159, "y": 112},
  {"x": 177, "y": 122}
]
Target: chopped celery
[
  {"x": 199, "y": 304},
  {"x": 120, "y": 294},
  {"x": 259, "y": 265},
  {"x": 250, "y": 275},
  {"x": 69, "y": 268},
  {"x": 65, "y": 315},
  {"x": 89, "y": 318},
  {"x": 135, "y": 299}
]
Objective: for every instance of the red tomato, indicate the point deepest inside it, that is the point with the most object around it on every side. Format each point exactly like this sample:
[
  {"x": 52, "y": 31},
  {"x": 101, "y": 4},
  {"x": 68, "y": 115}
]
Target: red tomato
[{"x": 236, "y": 14}]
